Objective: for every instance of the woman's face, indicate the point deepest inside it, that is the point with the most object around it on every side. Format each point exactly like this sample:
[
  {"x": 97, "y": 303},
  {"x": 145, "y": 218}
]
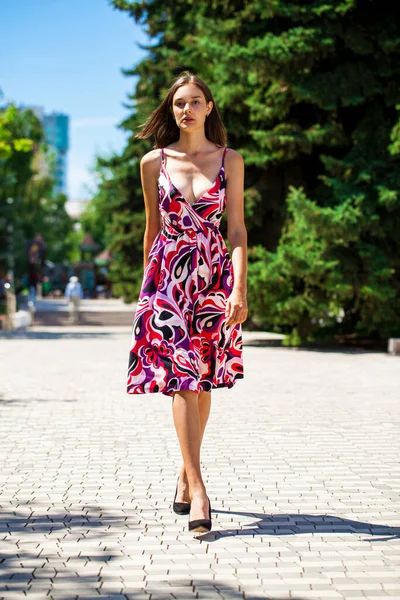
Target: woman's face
[{"x": 189, "y": 107}]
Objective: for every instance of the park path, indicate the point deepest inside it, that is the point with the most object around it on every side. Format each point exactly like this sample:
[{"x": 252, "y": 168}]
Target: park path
[{"x": 300, "y": 458}]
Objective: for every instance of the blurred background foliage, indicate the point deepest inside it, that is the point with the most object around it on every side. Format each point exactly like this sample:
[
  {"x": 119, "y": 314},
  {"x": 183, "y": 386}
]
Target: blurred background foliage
[{"x": 28, "y": 205}]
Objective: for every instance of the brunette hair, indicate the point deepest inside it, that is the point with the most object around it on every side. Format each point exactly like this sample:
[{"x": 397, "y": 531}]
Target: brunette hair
[{"x": 162, "y": 125}]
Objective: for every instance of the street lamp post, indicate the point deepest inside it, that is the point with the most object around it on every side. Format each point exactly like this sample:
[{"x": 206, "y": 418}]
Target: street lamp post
[
  {"x": 11, "y": 303},
  {"x": 11, "y": 306},
  {"x": 10, "y": 245}
]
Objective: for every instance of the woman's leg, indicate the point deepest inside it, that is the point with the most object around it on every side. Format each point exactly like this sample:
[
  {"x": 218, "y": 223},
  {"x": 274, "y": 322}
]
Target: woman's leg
[
  {"x": 204, "y": 401},
  {"x": 190, "y": 429}
]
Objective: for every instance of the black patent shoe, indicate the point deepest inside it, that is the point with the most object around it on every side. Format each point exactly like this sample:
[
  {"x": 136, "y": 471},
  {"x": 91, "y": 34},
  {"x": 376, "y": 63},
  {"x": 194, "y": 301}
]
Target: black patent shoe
[
  {"x": 180, "y": 508},
  {"x": 201, "y": 525}
]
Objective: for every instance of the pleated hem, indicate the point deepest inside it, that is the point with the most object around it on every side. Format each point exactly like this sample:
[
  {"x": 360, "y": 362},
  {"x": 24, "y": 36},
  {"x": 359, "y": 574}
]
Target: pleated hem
[{"x": 191, "y": 386}]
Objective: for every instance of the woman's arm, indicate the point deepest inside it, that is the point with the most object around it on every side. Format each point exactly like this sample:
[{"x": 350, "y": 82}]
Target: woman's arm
[
  {"x": 236, "y": 309},
  {"x": 149, "y": 171}
]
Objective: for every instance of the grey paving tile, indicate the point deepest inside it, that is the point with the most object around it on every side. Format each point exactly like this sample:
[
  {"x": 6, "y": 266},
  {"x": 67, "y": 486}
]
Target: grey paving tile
[{"x": 304, "y": 493}]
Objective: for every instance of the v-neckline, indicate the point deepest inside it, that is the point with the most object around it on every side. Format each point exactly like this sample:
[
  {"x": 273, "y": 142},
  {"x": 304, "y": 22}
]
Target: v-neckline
[{"x": 204, "y": 193}]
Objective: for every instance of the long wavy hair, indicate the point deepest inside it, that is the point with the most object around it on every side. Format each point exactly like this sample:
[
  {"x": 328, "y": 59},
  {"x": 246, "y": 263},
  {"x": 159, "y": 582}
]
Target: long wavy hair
[{"x": 162, "y": 125}]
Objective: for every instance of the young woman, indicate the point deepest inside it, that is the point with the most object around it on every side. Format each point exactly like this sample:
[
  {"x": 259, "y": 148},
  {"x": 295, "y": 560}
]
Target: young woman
[{"x": 186, "y": 336}]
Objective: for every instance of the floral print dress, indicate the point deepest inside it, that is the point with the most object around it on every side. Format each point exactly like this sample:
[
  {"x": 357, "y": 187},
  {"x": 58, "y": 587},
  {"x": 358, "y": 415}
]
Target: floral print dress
[{"x": 180, "y": 340}]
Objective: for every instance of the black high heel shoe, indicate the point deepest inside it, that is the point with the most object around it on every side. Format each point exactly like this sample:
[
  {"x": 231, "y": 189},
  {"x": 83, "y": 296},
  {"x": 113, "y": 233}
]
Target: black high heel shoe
[
  {"x": 201, "y": 525},
  {"x": 180, "y": 508}
]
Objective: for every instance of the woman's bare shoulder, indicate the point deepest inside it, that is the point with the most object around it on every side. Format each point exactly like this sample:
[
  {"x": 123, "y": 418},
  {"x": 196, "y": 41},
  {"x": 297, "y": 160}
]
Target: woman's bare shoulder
[
  {"x": 151, "y": 160},
  {"x": 234, "y": 162},
  {"x": 233, "y": 157}
]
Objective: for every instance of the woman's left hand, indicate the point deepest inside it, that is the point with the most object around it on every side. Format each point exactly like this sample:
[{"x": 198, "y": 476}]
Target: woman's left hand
[{"x": 236, "y": 308}]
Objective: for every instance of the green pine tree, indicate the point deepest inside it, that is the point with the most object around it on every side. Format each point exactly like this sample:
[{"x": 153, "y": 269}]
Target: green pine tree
[{"x": 309, "y": 96}]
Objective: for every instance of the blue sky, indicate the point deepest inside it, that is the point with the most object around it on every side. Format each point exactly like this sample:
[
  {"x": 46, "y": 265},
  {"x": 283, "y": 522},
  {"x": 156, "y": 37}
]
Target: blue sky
[{"x": 67, "y": 55}]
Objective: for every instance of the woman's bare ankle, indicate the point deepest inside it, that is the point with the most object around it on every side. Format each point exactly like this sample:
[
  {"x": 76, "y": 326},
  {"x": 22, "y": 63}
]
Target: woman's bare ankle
[
  {"x": 198, "y": 491},
  {"x": 182, "y": 476}
]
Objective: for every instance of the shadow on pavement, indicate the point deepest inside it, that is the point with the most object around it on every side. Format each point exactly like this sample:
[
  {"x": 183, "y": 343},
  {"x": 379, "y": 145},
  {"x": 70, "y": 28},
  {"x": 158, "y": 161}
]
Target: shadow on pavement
[
  {"x": 206, "y": 590},
  {"x": 90, "y": 525},
  {"x": 23, "y": 401},
  {"x": 292, "y": 524},
  {"x": 81, "y": 539}
]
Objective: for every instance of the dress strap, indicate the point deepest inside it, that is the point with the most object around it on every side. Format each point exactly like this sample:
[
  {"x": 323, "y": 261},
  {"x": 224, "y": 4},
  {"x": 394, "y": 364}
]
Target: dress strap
[
  {"x": 223, "y": 155},
  {"x": 162, "y": 156}
]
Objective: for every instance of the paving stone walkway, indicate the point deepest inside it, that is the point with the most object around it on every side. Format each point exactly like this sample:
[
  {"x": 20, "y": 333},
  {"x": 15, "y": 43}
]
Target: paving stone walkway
[{"x": 301, "y": 462}]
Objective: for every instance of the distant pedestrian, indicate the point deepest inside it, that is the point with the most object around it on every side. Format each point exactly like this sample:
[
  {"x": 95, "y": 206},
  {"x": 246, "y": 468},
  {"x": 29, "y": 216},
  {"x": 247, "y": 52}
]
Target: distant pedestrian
[{"x": 74, "y": 295}]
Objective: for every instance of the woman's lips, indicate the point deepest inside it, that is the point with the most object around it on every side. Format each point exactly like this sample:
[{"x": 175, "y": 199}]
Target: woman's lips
[{"x": 188, "y": 119}]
